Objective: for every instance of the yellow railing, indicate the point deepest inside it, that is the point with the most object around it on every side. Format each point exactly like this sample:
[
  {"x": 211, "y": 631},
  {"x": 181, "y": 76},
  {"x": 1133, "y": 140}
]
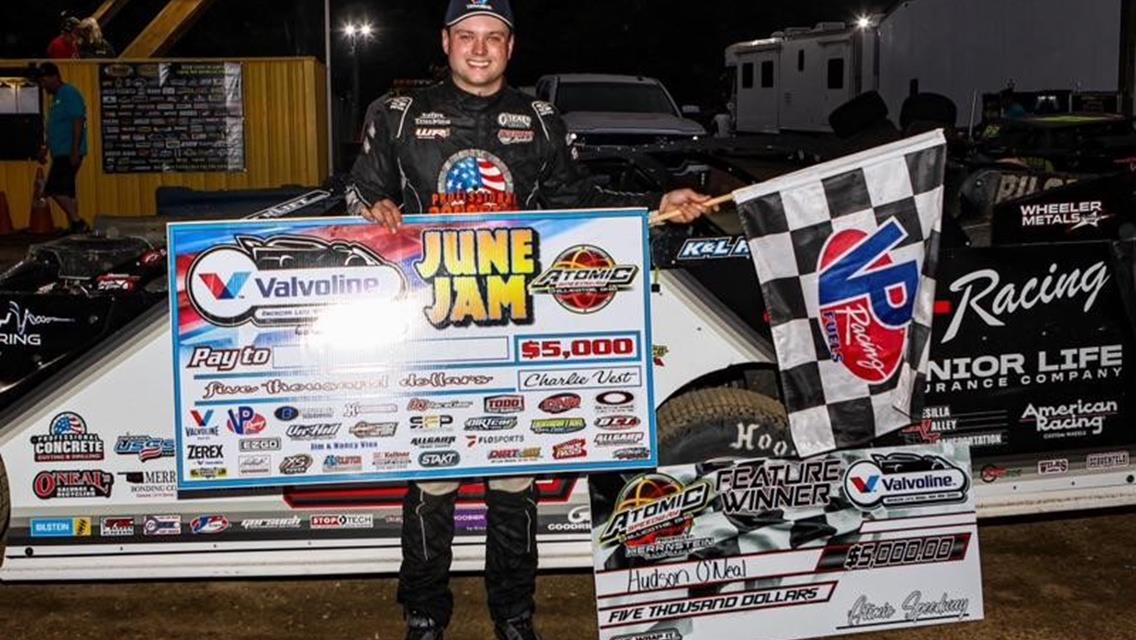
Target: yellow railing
[{"x": 285, "y": 141}]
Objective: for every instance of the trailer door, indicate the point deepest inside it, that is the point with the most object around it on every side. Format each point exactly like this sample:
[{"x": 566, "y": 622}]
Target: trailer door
[{"x": 757, "y": 106}]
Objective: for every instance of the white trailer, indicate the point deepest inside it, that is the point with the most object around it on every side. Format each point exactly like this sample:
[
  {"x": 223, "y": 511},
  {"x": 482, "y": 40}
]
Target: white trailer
[{"x": 958, "y": 48}]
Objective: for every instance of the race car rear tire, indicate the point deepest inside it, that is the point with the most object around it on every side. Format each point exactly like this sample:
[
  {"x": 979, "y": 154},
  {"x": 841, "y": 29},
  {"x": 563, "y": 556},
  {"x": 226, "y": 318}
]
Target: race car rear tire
[
  {"x": 721, "y": 422},
  {"x": 5, "y": 507}
]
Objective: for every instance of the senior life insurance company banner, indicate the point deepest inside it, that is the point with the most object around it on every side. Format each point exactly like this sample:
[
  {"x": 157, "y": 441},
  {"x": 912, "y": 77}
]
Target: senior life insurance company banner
[
  {"x": 841, "y": 543},
  {"x": 332, "y": 350}
]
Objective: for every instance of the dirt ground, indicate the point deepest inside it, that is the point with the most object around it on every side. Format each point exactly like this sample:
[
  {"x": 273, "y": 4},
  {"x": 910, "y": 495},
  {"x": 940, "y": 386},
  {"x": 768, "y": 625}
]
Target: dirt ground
[{"x": 1053, "y": 579}]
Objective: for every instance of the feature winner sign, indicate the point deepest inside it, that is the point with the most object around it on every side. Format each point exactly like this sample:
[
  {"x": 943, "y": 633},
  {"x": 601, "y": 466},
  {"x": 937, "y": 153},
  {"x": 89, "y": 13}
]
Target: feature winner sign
[
  {"x": 848, "y": 542},
  {"x": 328, "y": 351}
]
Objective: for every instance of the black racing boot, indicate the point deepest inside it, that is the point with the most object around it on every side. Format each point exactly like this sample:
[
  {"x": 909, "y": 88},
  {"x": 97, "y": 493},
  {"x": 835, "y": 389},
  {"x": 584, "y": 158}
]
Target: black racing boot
[
  {"x": 516, "y": 628},
  {"x": 420, "y": 626},
  {"x": 424, "y": 578},
  {"x": 511, "y": 561}
]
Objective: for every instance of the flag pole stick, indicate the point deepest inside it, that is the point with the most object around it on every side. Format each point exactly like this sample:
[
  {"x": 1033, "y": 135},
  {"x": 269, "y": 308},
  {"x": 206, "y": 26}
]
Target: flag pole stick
[{"x": 658, "y": 217}]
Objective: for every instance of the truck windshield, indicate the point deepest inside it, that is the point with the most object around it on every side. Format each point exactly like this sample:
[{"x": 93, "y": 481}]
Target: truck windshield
[{"x": 613, "y": 96}]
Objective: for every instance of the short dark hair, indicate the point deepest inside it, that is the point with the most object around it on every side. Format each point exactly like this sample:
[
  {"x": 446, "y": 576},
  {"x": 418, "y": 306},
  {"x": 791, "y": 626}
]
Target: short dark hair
[{"x": 47, "y": 70}]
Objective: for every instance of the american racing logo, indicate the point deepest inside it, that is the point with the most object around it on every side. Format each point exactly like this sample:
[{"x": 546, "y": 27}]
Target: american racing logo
[
  {"x": 560, "y": 403},
  {"x": 585, "y": 279},
  {"x": 245, "y": 421},
  {"x": 67, "y": 441},
  {"x": 866, "y": 300},
  {"x": 313, "y": 431},
  {"x": 504, "y": 404},
  {"x": 978, "y": 286},
  {"x": 295, "y": 465},
  {"x": 87, "y": 483},
  {"x": 904, "y": 480},
  {"x": 286, "y": 280},
  {"x": 490, "y": 423},
  {"x": 714, "y": 248},
  {"x": 1076, "y": 419},
  {"x": 145, "y": 447},
  {"x": 654, "y": 506},
  {"x": 15, "y": 325},
  {"x": 433, "y": 459}
]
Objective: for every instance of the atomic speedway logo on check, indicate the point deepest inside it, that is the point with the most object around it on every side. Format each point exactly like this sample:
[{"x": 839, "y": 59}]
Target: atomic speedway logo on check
[
  {"x": 904, "y": 480},
  {"x": 286, "y": 279}
]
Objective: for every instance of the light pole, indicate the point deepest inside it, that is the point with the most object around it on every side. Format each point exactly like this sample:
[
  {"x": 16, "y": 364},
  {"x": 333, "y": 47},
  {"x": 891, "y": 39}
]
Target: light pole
[{"x": 357, "y": 35}]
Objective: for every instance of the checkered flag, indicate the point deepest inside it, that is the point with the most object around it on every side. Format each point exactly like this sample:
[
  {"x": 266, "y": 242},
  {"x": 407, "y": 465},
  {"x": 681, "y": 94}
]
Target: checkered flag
[{"x": 846, "y": 253}]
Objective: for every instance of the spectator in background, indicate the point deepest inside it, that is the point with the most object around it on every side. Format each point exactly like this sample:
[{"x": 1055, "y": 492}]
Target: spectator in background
[
  {"x": 65, "y": 46},
  {"x": 66, "y": 142},
  {"x": 92, "y": 44}
]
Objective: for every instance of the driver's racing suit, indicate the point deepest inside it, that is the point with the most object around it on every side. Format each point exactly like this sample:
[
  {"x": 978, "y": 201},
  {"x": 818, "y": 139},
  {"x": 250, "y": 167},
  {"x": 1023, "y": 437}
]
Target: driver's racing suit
[{"x": 441, "y": 150}]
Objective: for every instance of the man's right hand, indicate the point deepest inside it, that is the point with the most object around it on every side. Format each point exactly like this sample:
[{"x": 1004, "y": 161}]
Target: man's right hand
[{"x": 384, "y": 212}]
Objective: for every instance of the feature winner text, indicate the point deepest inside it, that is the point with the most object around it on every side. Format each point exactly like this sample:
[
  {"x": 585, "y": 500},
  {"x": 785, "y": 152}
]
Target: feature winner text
[{"x": 1016, "y": 369}]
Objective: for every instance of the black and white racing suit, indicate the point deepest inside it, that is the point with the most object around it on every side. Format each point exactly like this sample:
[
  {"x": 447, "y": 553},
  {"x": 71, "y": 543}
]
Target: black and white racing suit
[{"x": 442, "y": 150}]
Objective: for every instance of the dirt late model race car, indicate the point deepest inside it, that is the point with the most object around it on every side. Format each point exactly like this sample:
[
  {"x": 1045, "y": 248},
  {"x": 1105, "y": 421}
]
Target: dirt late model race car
[{"x": 1029, "y": 367}]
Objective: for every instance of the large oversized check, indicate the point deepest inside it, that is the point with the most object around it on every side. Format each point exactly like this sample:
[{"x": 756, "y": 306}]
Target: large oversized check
[
  {"x": 332, "y": 350},
  {"x": 775, "y": 549}
]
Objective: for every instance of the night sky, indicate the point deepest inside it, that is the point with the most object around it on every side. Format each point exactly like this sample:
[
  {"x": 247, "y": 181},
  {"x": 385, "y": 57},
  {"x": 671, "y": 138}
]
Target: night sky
[{"x": 680, "y": 42}]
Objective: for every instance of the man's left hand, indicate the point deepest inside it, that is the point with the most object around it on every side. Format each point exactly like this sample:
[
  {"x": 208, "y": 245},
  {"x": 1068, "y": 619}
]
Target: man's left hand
[{"x": 689, "y": 202}]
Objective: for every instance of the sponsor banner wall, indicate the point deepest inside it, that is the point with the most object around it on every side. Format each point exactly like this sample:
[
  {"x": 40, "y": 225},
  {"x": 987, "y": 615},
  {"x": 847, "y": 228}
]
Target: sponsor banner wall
[
  {"x": 852, "y": 541},
  {"x": 321, "y": 351},
  {"x": 1030, "y": 352}
]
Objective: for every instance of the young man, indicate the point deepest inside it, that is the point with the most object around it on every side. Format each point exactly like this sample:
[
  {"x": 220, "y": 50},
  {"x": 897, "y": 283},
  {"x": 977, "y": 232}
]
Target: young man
[
  {"x": 66, "y": 142},
  {"x": 469, "y": 145},
  {"x": 65, "y": 46}
]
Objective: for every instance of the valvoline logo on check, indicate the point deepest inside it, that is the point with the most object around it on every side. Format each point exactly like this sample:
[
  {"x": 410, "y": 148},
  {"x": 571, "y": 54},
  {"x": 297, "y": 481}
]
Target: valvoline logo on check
[
  {"x": 866, "y": 300},
  {"x": 285, "y": 280}
]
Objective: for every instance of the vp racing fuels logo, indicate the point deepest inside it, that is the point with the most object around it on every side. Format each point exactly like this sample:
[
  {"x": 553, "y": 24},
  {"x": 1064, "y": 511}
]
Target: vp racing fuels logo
[
  {"x": 654, "y": 506},
  {"x": 474, "y": 181},
  {"x": 866, "y": 300},
  {"x": 585, "y": 279},
  {"x": 904, "y": 480},
  {"x": 286, "y": 280}
]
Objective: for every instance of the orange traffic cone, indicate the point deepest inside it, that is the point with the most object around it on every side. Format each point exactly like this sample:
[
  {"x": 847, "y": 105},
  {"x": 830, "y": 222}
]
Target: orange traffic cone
[
  {"x": 5, "y": 216},
  {"x": 40, "y": 221}
]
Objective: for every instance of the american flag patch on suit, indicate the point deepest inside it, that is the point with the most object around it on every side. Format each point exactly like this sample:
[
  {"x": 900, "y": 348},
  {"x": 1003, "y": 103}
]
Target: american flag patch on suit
[{"x": 846, "y": 254}]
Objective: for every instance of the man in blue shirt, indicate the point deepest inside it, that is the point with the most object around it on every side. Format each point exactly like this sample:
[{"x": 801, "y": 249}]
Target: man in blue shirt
[{"x": 66, "y": 142}]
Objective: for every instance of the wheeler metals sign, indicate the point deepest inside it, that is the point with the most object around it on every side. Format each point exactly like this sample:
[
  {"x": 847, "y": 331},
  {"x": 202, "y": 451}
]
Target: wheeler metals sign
[{"x": 334, "y": 351}]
